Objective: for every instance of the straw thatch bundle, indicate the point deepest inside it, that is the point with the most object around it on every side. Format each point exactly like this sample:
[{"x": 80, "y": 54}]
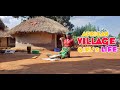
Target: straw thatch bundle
[
  {"x": 39, "y": 24},
  {"x": 4, "y": 34}
]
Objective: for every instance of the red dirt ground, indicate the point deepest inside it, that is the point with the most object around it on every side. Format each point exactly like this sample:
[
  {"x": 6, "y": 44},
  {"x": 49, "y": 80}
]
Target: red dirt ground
[{"x": 84, "y": 63}]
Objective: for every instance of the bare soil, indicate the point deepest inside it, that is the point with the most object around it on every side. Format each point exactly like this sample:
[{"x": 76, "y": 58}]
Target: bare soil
[{"x": 79, "y": 63}]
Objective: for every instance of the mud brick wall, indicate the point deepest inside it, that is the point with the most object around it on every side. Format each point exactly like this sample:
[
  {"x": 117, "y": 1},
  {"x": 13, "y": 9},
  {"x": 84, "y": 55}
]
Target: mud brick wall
[
  {"x": 3, "y": 42},
  {"x": 41, "y": 39}
]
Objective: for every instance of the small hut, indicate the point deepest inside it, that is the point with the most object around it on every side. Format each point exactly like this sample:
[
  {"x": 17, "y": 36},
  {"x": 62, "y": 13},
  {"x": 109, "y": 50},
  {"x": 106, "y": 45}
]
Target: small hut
[
  {"x": 5, "y": 39},
  {"x": 38, "y": 32}
]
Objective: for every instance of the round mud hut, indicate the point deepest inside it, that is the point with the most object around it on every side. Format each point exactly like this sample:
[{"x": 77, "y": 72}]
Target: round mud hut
[{"x": 39, "y": 32}]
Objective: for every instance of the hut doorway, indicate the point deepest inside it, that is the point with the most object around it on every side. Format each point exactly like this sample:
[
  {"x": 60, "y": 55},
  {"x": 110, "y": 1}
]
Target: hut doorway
[
  {"x": 0, "y": 42},
  {"x": 59, "y": 44},
  {"x": 11, "y": 42}
]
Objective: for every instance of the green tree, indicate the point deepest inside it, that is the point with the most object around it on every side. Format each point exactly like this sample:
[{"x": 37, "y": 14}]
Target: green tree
[
  {"x": 110, "y": 35},
  {"x": 79, "y": 30},
  {"x": 98, "y": 29},
  {"x": 64, "y": 20},
  {"x": 118, "y": 36},
  {"x": 2, "y": 25}
]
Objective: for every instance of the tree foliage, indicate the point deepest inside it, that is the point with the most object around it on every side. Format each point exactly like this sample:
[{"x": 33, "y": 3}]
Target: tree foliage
[
  {"x": 110, "y": 35},
  {"x": 2, "y": 25},
  {"x": 118, "y": 36},
  {"x": 79, "y": 30}
]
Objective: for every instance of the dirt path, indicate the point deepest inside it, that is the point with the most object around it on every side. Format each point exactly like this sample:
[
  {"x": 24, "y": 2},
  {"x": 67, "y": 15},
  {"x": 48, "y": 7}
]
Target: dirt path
[{"x": 84, "y": 63}]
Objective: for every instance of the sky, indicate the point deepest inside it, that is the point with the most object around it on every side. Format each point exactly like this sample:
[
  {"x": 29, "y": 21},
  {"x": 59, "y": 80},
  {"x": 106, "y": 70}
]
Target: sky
[{"x": 110, "y": 23}]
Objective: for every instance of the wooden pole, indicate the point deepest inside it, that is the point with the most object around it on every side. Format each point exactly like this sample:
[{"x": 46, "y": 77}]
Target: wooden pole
[{"x": 55, "y": 40}]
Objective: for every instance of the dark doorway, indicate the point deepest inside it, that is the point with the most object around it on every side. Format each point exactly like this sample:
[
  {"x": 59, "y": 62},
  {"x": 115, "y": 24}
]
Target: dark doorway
[
  {"x": 0, "y": 42},
  {"x": 11, "y": 42},
  {"x": 59, "y": 45}
]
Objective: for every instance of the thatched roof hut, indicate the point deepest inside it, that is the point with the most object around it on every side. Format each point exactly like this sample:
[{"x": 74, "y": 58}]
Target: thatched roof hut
[
  {"x": 38, "y": 32},
  {"x": 5, "y": 37},
  {"x": 39, "y": 24}
]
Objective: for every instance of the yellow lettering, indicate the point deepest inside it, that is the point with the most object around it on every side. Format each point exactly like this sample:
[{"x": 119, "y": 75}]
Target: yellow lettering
[
  {"x": 92, "y": 34},
  {"x": 99, "y": 34},
  {"x": 87, "y": 33},
  {"x": 80, "y": 49},
  {"x": 92, "y": 49},
  {"x": 102, "y": 34},
  {"x": 87, "y": 49},
  {"x": 84, "y": 34},
  {"x": 97, "y": 49},
  {"x": 106, "y": 34}
]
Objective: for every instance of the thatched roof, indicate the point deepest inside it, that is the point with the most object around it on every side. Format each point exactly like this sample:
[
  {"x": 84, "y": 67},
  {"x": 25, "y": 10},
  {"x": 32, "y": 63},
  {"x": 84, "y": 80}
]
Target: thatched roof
[
  {"x": 4, "y": 34},
  {"x": 39, "y": 24}
]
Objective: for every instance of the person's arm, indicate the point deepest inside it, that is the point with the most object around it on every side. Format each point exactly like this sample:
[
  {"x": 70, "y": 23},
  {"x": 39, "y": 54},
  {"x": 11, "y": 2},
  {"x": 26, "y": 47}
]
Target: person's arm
[
  {"x": 62, "y": 41},
  {"x": 72, "y": 45},
  {"x": 73, "y": 42}
]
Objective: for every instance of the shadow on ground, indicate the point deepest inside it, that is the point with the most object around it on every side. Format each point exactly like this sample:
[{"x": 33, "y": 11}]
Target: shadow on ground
[
  {"x": 79, "y": 56},
  {"x": 16, "y": 56},
  {"x": 94, "y": 66}
]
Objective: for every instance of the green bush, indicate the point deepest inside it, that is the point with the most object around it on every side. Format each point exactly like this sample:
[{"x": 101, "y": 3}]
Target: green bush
[{"x": 75, "y": 39}]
